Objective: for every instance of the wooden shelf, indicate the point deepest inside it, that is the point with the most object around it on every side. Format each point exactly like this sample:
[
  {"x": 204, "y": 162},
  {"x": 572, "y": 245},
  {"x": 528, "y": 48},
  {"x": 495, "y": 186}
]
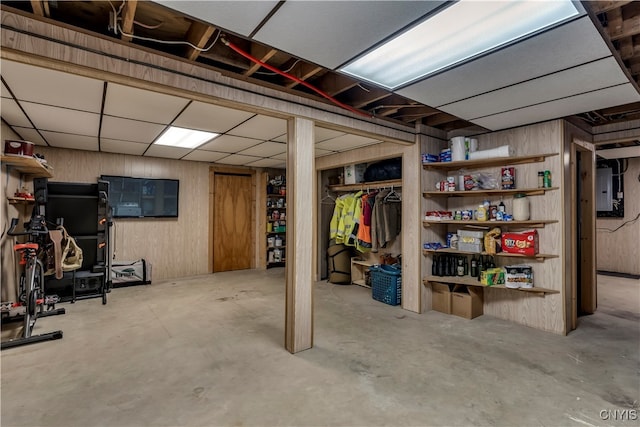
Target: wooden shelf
[
  {"x": 276, "y": 247},
  {"x": 366, "y": 185},
  {"x": 20, "y": 200},
  {"x": 520, "y": 224},
  {"x": 28, "y": 166},
  {"x": 479, "y": 193},
  {"x": 469, "y": 281},
  {"x": 485, "y": 163},
  {"x": 361, "y": 282},
  {"x": 276, "y": 232},
  {"x": 362, "y": 262},
  {"x": 537, "y": 257}
]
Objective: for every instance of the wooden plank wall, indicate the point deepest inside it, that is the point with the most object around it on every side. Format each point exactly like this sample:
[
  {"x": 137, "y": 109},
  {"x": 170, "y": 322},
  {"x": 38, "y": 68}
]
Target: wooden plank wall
[
  {"x": 541, "y": 312},
  {"x": 615, "y": 250},
  {"x": 175, "y": 247}
]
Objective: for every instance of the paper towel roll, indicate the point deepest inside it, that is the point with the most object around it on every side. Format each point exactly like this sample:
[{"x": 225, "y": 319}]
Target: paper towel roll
[
  {"x": 458, "y": 149},
  {"x": 504, "y": 151}
]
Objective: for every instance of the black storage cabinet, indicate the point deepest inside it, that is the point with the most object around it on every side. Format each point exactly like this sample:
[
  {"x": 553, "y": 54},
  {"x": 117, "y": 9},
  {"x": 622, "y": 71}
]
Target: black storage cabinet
[{"x": 86, "y": 214}]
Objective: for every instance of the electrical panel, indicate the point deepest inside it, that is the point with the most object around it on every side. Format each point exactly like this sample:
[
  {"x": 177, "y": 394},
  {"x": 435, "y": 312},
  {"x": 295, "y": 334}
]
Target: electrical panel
[{"x": 604, "y": 189}]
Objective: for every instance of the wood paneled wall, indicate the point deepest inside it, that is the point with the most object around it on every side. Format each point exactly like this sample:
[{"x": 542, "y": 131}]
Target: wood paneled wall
[
  {"x": 175, "y": 247},
  {"x": 541, "y": 312},
  {"x": 618, "y": 251}
]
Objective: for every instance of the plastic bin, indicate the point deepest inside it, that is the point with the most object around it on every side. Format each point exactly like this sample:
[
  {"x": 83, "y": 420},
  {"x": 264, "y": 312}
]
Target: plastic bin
[{"x": 386, "y": 284}]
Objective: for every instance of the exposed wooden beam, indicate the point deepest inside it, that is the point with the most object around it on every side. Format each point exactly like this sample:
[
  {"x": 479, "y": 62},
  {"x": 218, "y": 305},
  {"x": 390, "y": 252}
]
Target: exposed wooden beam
[
  {"x": 334, "y": 83},
  {"x": 38, "y": 8},
  {"x": 263, "y": 53},
  {"x": 619, "y": 28},
  {"x": 440, "y": 119},
  {"x": 622, "y": 109},
  {"x": 606, "y": 6},
  {"x": 128, "y": 15},
  {"x": 303, "y": 71},
  {"x": 368, "y": 96},
  {"x": 47, "y": 11},
  {"x": 198, "y": 35}
]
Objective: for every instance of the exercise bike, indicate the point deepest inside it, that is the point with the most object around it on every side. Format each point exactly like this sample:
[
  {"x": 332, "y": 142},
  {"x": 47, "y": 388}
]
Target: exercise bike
[{"x": 31, "y": 286}]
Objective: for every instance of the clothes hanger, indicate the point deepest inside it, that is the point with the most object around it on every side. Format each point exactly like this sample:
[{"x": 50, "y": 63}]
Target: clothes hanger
[
  {"x": 392, "y": 196},
  {"x": 327, "y": 199}
]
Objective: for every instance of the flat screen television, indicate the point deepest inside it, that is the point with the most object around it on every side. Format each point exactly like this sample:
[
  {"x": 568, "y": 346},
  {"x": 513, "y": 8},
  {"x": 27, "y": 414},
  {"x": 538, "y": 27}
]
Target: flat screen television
[{"x": 142, "y": 197}]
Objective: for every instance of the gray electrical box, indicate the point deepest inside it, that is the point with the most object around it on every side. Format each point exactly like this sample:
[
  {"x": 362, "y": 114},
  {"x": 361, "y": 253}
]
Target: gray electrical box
[{"x": 604, "y": 189}]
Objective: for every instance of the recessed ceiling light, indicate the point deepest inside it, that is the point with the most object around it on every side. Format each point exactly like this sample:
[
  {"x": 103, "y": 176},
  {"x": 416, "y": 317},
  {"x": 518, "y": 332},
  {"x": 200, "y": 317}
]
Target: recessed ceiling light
[
  {"x": 184, "y": 138},
  {"x": 461, "y": 31}
]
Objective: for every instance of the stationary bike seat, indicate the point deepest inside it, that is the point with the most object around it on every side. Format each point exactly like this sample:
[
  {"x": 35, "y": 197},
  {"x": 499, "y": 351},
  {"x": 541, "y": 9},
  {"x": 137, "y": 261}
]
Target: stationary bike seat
[{"x": 21, "y": 246}]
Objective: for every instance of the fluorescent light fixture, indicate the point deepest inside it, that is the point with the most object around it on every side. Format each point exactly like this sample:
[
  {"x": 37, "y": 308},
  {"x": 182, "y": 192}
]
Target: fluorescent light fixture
[
  {"x": 461, "y": 31},
  {"x": 184, "y": 138}
]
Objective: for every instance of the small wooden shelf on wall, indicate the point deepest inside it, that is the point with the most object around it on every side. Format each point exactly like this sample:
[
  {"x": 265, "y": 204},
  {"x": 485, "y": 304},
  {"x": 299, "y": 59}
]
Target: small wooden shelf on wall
[
  {"x": 20, "y": 201},
  {"x": 485, "y": 163},
  {"x": 366, "y": 185},
  {"x": 479, "y": 193},
  {"x": 470, "y": 281},
  {"x": 529, "y": 224},
  {"x": 537, "y": 257},
  {"x": 28, "y": 166}
]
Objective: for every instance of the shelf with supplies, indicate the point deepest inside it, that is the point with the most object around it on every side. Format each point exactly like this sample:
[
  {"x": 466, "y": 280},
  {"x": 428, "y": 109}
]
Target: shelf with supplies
[
  {"x": 537, "y": 257},
  {"x": 20, "y": 201},
  {"x": 486, "y": 163},
  {"x": 470, "y": 281},
  {"x": 480, "y": 193},
  {"x": 513, "y": 224},
  {"x": 366, "y": 185},
  {"x": 275, "y": 233},
  {"x": 360, "y": 272},
  {"x": 28, "y": 166}
]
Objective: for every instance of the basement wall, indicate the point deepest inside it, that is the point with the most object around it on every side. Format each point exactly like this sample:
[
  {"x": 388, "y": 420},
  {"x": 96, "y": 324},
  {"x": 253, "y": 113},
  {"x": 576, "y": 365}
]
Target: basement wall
[{"x": 617, "y": 251}]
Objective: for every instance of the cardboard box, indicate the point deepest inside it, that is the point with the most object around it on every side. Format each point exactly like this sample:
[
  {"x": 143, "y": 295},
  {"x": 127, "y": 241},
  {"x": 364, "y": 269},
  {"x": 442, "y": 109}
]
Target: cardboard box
[
  {"x": 440, "y": 297},
  {"x": 466, "y": 301},
  {"x": 524, "y": 242},
  {"x": 354, "y": 173}
]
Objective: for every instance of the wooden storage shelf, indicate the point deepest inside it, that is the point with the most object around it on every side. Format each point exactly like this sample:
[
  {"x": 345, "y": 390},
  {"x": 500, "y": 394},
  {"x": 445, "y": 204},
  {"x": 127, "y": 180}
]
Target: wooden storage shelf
[
  {"x": 359, "y": 270},
  {"x": 276, "y": 247},
  {"x": 469, "y": 281},
  {"x": 520, "y": 224},
  {"x": 28, "y": 166},
  {"x": 480, "y": 193},
  {"x": 365, "y": 185},
  {"x": 537, "y": 257},
  {"x": 485, "y": 163},
  {"x": 20, "y": 200}
]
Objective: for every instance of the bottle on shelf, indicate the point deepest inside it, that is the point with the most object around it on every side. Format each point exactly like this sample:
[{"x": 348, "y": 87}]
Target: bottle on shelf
[
  {"x": 474, "y": 266},
  {"x": 460, "y": 267}
]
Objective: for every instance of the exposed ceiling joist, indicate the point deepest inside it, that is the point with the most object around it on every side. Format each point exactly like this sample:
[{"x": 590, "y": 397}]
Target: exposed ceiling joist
[
  {"x": 128, "y": 16},
  {"x": 198, "y": 35},
  {"x": 263, "y": 54},
  {"x": 304, "y": 72},
  {"x": 606, "y": 6}
]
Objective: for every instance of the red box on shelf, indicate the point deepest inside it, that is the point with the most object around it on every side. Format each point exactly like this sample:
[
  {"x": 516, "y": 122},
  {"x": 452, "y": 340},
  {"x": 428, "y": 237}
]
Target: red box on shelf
[{"x": 524, "y": 243}]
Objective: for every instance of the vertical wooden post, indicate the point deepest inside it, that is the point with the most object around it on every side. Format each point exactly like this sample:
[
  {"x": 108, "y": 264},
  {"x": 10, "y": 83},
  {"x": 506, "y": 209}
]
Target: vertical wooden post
[{"x": 301, "y": 224}]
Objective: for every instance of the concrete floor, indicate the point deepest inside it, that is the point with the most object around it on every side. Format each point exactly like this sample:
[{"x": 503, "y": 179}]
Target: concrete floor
[{"x": 208, "y": 351}]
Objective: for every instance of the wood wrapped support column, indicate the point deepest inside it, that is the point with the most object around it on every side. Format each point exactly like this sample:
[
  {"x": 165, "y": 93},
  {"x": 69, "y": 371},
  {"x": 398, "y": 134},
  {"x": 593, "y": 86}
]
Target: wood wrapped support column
[{"x": 301, "y": 225}]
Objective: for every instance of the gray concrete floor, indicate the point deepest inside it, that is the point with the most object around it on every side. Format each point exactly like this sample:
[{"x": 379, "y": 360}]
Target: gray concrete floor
[{"x": 208, "y": 351}]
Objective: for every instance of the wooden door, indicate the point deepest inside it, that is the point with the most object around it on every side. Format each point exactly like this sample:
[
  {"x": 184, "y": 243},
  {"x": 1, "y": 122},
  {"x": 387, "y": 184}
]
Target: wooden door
[{"x": 232, "y": 248}]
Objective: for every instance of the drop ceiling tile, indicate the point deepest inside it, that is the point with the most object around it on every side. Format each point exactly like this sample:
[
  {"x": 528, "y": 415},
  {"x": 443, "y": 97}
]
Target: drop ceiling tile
[
  {"x": 166, "y": 152},
  {"x": 140, "y": 104},
  {"x": 30, "y": 134},
  {"x": 261, "y": 127},
  {"x": 331, "y": 33},
  {"x": 594, "y": 75},
  {"x": 122, "y": 147},
  {"x": 281, "y": 138},
  {"x": 205, "y": 156},
  {"x": 603, "y": 98},
  {"x": 323, "y": 134},
  {"x": 130, "y": 130},
  {"x": 45, "y": 86},
  {"x": 237, "y": 159},
  {"x": 12, "y": 114},
  {"x": 282, "y": 156},
  {"x": 71, "y": 141},
  {"x": 240, "y": 17},
  {"x": 266, "y": 149},
  {"x": 346, "y": 142},
  {"x": 211, "y": 118},
  {"x": 266, "y": 163},
  {"x": 57, "y": 119},
  {"x": 230, "y": 144},
  {"x": 571, "y": 44},
  {"x": 4, "y": 92}
]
